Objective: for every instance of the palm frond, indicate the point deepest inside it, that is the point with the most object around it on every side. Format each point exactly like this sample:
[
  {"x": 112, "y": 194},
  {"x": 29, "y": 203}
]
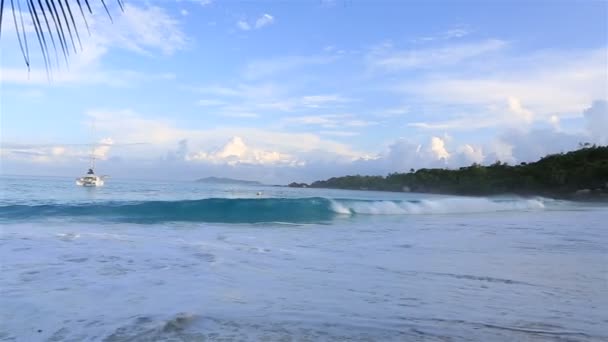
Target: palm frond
[
  {"x": 84, "y": 17},
  {"x": 106, "y": 8},
  {"x": 50, "y": 32},
  {"x": 39, "y": 33},
  {"x": 1, "y": 13},
  {"x": 26, "y": 54},
  {"x": 58, "y": 28},
  {"x": 54, "y": 26},
  {"x": 22, "y": 44},
  {"x": 65, "y": 17}
]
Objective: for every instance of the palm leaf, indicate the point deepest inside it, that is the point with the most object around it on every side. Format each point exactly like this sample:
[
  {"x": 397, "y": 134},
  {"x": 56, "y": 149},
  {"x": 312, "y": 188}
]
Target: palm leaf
[
  {"x": 22, "y": 44},
  {"x": 61, "y": 32}
]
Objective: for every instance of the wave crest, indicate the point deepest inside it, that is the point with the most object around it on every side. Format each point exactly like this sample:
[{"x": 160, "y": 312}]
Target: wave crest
[{"x": 288, "y": 210}]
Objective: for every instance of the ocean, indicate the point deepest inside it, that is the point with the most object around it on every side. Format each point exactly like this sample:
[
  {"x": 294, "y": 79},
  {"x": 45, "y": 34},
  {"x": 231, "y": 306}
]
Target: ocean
[{"x": 186, "y": 261}]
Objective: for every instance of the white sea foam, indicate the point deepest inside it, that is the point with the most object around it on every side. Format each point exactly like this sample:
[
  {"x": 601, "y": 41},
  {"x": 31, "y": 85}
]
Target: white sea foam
[
  {"x": 340, "y": 208},
  {"x": 436, "y": 206}
]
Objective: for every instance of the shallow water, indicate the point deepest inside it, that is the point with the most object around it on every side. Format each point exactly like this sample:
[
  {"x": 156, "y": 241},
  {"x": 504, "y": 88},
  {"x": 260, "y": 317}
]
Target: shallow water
[{"x": 378, "y": 266}]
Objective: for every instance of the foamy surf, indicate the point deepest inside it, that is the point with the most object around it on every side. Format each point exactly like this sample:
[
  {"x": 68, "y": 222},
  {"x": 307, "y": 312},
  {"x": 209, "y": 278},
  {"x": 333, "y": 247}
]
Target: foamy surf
[{"x": 436, "y": 206}]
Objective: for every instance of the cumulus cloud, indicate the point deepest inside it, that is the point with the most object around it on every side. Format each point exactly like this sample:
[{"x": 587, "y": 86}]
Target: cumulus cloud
[
  {"x": 438, "y": 148},
  {"x": 597, "y": 121},
  {"x": 472, "y": 154},
  {"x": 517, "y": 145},
  {"x": 236, "y": 152},
  {"x": 521, "y": 113},
  {"x": 542, "y": 85},
  {"x": 161, "y": 135},
  {"x": 100, "y": 150},
  {"x": 179, "y": 154},
  {"x": 297, "y": 156}
]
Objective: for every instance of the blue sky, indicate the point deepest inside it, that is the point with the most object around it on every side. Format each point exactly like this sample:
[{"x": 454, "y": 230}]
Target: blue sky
[{"x": 301, "y": 90}]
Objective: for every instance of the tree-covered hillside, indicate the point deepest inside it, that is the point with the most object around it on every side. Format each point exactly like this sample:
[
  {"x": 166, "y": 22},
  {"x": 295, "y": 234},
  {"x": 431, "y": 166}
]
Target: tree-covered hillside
[{"x": 584, "y": 171}]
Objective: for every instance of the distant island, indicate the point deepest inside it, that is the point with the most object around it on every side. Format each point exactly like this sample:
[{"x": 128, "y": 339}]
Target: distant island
[
  {"x": 578, "y": 174},
  {"x": 221, "y": 180}
]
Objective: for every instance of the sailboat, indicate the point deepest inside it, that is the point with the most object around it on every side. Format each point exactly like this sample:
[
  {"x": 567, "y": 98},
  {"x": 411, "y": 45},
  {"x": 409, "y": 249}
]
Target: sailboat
[{"x": 91, "y": 179}]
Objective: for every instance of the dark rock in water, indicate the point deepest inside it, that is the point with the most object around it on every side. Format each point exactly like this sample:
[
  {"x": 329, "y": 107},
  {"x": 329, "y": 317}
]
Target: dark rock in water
[{"x": 179, "y": 322}]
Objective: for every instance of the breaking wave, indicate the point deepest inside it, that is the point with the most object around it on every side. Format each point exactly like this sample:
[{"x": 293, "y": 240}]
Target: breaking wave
[{"x": 288, "y": 210}]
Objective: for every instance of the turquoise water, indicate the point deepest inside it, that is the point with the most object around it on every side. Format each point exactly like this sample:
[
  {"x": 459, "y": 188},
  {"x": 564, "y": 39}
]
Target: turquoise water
[{"x": 184, "y": 261}]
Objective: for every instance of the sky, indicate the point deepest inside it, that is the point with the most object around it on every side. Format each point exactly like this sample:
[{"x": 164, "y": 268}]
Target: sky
[{"x": 281, "y": 91}]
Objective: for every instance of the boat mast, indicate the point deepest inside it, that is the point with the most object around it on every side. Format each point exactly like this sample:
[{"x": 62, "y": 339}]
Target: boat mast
[{"x": 92, "y": 162}]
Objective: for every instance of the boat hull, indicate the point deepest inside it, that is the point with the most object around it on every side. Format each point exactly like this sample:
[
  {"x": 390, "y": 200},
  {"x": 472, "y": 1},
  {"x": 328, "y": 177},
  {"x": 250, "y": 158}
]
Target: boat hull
[{"x": 88, "y": 182}]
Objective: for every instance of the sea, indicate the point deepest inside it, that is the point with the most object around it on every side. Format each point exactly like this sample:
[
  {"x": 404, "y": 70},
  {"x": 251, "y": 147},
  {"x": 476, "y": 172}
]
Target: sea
[{"x": 185, "y": 261}]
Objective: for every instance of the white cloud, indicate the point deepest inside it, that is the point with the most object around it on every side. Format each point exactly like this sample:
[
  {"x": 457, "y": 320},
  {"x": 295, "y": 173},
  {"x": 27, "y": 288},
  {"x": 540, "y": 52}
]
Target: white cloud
[
  {"x": 162, "y": 135},
  {"x": 265, "y": 98},
  {"x": 340, "y": 133},
  {"x": 80, "y": 76},
  {"x": 145, "y": 30},
  {"x": 562, "y": 86},
  {"x": 472, "y": 154},
  {"x": 533, "y": 144},
  {"x": 395, "y": 111},
  {"x": 243, "y": 25},
  {"x": 438, "y": 148},
  {"x": 204, "y": 2},
  {"x": 318, "y": 101},
  {"x": 236, "y": 152},
  {"x": 56, "y": 153},
  {"x": 521, "y": 113},
  {"x": 597, "y": 121},
  {"x": 554, "y": 121},
  {"x": 236, "y": 112},
  {"x": 457, "y": 32},
  {"x": 273, "y": 66},
  {"x": 101, "y": 150},
  {"x": 500, "y": 150},
  {"x": 385, "y": 58},
  {"x": 313, "y": 156},
  {"x": 328, "y": 121},
  {"x": 264, "y": 20},
  {"x": 210, "y": 103}
]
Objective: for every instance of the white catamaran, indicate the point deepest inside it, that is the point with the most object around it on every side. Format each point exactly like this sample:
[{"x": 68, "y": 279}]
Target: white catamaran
[{"x": 91, "y": 179}]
